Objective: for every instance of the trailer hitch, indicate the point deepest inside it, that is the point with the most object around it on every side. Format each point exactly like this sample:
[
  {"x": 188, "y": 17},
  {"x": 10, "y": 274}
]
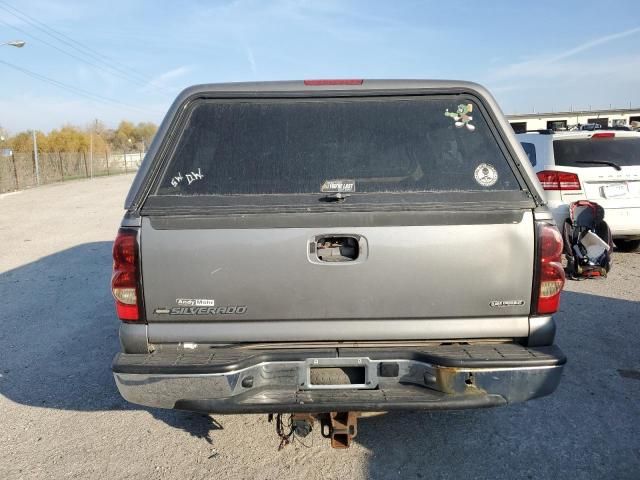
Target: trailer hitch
[{"x": 340, "y": 427}]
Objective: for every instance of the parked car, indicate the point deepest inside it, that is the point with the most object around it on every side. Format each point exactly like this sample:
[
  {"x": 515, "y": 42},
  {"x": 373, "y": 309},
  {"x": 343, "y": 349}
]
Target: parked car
[
  {"x": 327, "y": 247},
  {"x": 601, "y": 166}
]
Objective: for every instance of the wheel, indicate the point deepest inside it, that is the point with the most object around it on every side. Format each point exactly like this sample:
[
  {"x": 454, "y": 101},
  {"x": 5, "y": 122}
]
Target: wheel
[
  {"x": 627, "y": 245},
  {"x": 570, "y": 269},
  {"x": 567, "y": 235}
]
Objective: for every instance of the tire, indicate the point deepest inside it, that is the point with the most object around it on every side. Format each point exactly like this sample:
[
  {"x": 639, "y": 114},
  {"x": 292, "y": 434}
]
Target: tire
[
  {"x": 627, "y": 245},
  {"x": 567, "y": 235},
  {"x": 570, "y": 269}
]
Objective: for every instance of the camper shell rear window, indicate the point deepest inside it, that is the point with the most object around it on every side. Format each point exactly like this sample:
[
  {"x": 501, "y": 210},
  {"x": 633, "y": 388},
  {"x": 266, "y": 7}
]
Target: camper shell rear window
[{"x": 315, "y": 146}]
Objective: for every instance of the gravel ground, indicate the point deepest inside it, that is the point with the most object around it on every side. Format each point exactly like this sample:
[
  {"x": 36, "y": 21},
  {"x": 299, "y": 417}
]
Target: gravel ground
[{"x": 62, "y": 416}]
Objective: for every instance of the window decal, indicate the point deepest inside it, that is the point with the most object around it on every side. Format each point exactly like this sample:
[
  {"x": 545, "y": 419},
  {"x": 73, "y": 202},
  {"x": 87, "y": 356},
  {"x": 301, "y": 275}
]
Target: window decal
[{"x": 461, "y": 116}]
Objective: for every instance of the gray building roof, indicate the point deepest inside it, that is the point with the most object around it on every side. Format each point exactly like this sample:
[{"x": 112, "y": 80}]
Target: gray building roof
[{"x": 573, "y": 113}]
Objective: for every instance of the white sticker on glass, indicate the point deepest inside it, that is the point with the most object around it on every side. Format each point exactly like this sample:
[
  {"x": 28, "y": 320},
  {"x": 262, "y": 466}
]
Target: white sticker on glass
[
  {"x": 193, "y": 176},
  {"x": 190, "y": 177},
  {"x": 175, "y": 181},
  {"x": 486, "y": 175}
]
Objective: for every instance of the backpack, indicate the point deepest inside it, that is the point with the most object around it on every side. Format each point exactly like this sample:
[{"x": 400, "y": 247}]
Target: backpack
[{"x": 587, "y": 241}]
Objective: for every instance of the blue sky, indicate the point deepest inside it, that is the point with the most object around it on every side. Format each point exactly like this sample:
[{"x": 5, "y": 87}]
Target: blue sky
[{"x": 538, "y": 55}]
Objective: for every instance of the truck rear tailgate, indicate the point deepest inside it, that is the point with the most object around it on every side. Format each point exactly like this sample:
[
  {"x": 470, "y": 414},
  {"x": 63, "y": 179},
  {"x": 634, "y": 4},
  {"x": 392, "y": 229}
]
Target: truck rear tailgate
[{"x": 432, "y": 272}]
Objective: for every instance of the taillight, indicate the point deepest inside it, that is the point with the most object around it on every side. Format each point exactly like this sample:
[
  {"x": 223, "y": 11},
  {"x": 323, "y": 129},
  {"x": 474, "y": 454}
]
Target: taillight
[
  {"x": 603, "y": 135},
  {"x": 319, "y": 83},
  {"x": 125, "y": 284},
  {"x": 549, "y": 274},
  {"x": 554, "y": 180}
]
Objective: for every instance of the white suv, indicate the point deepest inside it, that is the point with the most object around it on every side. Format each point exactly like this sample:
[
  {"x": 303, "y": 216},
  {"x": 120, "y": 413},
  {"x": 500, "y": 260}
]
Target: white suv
[{"x": 602, "y": 166}]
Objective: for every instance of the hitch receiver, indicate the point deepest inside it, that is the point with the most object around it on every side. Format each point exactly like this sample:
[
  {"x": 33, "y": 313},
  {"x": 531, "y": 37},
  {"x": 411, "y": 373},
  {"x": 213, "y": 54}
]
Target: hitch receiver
[{"x": 340, "y": 427}]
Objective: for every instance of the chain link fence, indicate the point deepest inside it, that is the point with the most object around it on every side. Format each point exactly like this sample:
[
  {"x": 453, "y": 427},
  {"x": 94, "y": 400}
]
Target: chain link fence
[{"x": 19, "y": 170}]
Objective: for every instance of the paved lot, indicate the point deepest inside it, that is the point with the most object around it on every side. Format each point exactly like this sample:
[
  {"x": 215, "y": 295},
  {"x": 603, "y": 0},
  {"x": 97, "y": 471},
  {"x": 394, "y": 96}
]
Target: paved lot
[{"x": 62, "y": 417}]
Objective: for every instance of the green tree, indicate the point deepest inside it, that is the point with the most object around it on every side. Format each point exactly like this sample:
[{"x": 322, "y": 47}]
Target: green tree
[
  {"x": 122, "y": 135},
  {"x": 128, "y": 135},
  {"x": 145, "y": 132},
  {"x": 21, "y": 142},
  {"x": 73, "y": 139},
  {"x": 68, "y": 139}
]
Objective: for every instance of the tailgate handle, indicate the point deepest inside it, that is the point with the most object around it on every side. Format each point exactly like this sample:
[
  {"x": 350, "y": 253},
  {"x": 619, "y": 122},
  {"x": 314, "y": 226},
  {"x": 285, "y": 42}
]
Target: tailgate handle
[{"x": 337, "y": 248}]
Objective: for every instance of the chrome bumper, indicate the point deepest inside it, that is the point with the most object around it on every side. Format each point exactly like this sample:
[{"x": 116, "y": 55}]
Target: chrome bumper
[{"x": 387, "y": 383}]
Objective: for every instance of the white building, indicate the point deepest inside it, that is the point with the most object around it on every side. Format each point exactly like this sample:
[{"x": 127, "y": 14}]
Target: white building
[{"x": 565, "y": 120}]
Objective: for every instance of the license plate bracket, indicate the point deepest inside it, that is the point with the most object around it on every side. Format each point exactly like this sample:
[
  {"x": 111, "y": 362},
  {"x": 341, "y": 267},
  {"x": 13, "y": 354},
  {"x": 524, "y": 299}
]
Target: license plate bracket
[
  {"x": 361, "y": 373},
  {"x": 615, "y": 190}
]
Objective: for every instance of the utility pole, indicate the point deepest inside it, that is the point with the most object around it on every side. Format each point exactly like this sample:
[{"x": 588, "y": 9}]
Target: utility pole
[
  {"x": 91, "y": 152},
  {"x": 35, "y": 157}
]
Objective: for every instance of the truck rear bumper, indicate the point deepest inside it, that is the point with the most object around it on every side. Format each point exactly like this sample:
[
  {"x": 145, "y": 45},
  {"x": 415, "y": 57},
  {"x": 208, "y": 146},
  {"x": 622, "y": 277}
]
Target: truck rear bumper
[{"x": 280, "y": 381}]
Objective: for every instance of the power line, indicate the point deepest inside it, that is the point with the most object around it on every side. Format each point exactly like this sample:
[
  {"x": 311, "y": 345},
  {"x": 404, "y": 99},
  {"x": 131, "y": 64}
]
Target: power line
[
  {"x": 69, "y": 54},
  {"x": 61, "y": 37},
  {"x": 128, "y": 72},
  {"x": 71, "y": 88}
]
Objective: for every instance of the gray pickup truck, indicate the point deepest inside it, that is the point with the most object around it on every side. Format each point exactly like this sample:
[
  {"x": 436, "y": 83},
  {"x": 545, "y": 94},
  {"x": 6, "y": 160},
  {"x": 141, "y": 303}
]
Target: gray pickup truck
[{"x": 321, "y": 248}]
